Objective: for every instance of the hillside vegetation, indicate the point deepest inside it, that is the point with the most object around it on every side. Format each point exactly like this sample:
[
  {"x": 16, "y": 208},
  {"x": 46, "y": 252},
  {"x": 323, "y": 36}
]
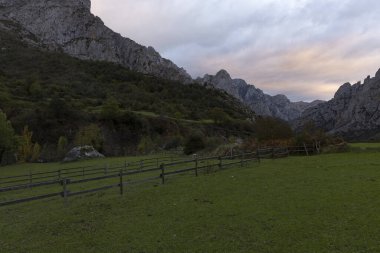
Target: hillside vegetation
[{"x": 116, "y": 110}]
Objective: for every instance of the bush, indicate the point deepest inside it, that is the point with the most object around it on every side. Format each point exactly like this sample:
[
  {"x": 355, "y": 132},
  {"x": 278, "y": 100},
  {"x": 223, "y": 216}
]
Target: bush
[
  {"x": 62, "y": 146},
  {"x": 8, "y": 141},
  {"x": 146, "y": 145},
  {"x": 90, "y": 135},
  {"x": 194, "y": 144}
]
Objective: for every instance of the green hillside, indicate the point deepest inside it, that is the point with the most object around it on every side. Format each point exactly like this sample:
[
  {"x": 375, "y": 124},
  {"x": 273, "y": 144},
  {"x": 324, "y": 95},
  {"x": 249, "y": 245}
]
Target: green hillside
[{"x": 60, "y": 96}]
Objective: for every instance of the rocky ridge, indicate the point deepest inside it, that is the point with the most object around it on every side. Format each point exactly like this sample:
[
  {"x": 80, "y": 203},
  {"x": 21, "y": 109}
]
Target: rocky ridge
[
  {"x": 276, "y": 106},
  {"x": 353, "y": 113},
  {"x": 69, "y": 26}
]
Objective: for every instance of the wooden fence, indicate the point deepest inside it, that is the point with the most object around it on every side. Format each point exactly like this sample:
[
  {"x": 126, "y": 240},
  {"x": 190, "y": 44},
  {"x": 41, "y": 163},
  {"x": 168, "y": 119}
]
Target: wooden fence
[
  {"x": 148, "y": 170},
  {"x": 31, "y": 179}
]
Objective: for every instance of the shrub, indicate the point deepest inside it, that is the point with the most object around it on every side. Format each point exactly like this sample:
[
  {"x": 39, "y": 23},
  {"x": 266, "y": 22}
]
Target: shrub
[
  {"x": 8, "y": 141},
  {"x": 146, "y": 145},
  {"x": 90, "y": 135},
  {"x": 26, "y": 145},
  {"x": 62, "y": 146},
  {"x": 194, "y": 144}
]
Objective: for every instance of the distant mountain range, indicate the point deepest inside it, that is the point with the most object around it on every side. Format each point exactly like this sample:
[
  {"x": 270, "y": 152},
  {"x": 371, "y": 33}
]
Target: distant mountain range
[
  {"x": 69, "y": 26},
  {"x": 276, "y": 106}
]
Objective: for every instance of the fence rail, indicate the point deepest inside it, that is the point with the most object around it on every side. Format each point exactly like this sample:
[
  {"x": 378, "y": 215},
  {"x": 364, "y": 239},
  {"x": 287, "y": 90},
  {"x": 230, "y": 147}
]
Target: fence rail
[
  {"x": 82, "y": 171},
  {"x": 154, "y": 169}
]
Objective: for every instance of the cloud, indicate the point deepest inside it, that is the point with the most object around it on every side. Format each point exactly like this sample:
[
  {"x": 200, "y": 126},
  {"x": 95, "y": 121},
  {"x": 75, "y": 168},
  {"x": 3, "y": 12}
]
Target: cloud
[{"x": 302, "y": 48}]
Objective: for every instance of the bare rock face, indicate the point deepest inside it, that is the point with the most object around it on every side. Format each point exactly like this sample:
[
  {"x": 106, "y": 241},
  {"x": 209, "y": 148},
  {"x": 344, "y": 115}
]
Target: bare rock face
[
  {"x": 68, "y": 25},
  {"x": 353, "y": 113},
  {"x": 262, "y": 104}
]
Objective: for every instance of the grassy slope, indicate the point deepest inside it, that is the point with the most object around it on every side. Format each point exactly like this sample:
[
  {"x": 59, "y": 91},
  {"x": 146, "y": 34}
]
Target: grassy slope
[{"x": 326, "y": 203}]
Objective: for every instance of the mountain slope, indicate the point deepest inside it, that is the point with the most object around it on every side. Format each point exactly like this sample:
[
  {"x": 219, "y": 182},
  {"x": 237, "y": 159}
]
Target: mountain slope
[
  {"x": 276, "y": 106},
  {"x": 353, "y": 113},
  {"x": 58, "y": 95},
  {"x": 70, "y": 27}
]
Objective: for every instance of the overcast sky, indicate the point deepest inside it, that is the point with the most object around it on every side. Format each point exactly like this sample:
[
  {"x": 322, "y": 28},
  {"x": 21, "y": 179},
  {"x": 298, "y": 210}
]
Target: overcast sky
[{"x": 304, "y": 49}]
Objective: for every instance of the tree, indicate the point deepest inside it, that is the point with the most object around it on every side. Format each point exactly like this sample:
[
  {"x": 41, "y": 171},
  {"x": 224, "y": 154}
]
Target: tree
[
  {"x": 62, "y": 146},
  {"x": 110, "y": 110},
  {"x": 312, "y": 134},
  {"x": 272, "y": 129},
  {"x": 194, "y": 144},
  {"x": 8, "y": 140},
  {"x": 28, "y": 151},
  {"x": 90, "y": 135},
  {"x": 146, "y": 145},
  {"x": 218, "y": 115}
]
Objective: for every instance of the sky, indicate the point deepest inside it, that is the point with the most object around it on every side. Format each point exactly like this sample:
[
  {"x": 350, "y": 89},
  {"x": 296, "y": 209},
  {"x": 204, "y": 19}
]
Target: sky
[{"x": 304, "y": 49}]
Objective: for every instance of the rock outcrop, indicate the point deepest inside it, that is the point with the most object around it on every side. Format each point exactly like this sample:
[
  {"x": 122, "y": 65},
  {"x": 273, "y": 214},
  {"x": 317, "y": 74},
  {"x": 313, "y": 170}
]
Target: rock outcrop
[
  {"x": 262, "y": 104},
  {"x": 353, "y": 113},
  {"x": 82, "y": 153},
  {"x": 69, "y": 26}
]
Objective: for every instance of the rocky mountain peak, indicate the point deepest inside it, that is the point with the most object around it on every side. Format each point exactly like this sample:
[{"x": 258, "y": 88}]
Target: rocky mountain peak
[
  {"x": 377, "y": 74},
  {"x": 343, "y": 91},
  {"x": 223, "y": 74},
  {"x": 353, "y": 113}
]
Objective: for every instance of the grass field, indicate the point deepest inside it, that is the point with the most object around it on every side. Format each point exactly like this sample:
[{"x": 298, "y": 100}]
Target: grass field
[
  {"x": 364, "y": 147},
  {"x": 327, "y": 203}
]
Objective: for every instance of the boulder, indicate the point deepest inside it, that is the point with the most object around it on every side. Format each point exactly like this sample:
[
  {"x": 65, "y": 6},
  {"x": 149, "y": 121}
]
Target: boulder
[{"x": 82, "y": 153}]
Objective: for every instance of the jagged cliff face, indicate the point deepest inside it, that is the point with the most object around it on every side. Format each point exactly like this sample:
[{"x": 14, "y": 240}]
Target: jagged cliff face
[
  {"x": 68, "y": 25},
  {"x": 353, "y": 113},
  {"x": 276, "y": 106}
]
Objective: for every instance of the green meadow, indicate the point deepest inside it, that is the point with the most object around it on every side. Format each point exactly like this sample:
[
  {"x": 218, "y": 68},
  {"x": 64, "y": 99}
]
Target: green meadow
[{"x": 326, "y": 203}]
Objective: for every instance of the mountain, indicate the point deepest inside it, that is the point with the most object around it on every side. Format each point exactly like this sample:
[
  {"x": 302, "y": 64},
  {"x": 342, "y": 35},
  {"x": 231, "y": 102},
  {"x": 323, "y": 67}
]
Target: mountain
[
  {"x": 353, "y": 113},
  {"x": 69, "y": 26},
  {"x": 278, "y": 106}
]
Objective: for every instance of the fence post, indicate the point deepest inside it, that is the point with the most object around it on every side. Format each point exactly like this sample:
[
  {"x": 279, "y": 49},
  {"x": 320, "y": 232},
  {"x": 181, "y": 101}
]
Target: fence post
[
  {"x": 106, "y": 169},
  {"x": 196, "y": 166},
  {"x": 258, "y": 155},
  {"x": 141, "y": 164},
  {"x": 241, "y": 160},
  {"x": 162, "y": 173},
  {"x": 30, "y": 179},
  {"x": 65, "y": 193},
  {"x": 121, "y": 182},
  {"x": 220, "y": 165},
  {"x": 59, "y": 174},
  {"x": 244, "y": 162},
  {"x": 307, "y": 152},
  {"x": 272, "y": 153}
]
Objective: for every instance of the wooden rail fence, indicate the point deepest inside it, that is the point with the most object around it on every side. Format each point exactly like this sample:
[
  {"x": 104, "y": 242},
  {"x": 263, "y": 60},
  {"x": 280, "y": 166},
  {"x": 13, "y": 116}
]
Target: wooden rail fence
[{"x": 152, "y": 169}]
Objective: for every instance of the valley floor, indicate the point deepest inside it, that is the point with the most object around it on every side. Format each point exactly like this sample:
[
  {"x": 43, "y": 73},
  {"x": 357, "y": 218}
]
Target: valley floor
[{"x": 326, "y": 203}]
